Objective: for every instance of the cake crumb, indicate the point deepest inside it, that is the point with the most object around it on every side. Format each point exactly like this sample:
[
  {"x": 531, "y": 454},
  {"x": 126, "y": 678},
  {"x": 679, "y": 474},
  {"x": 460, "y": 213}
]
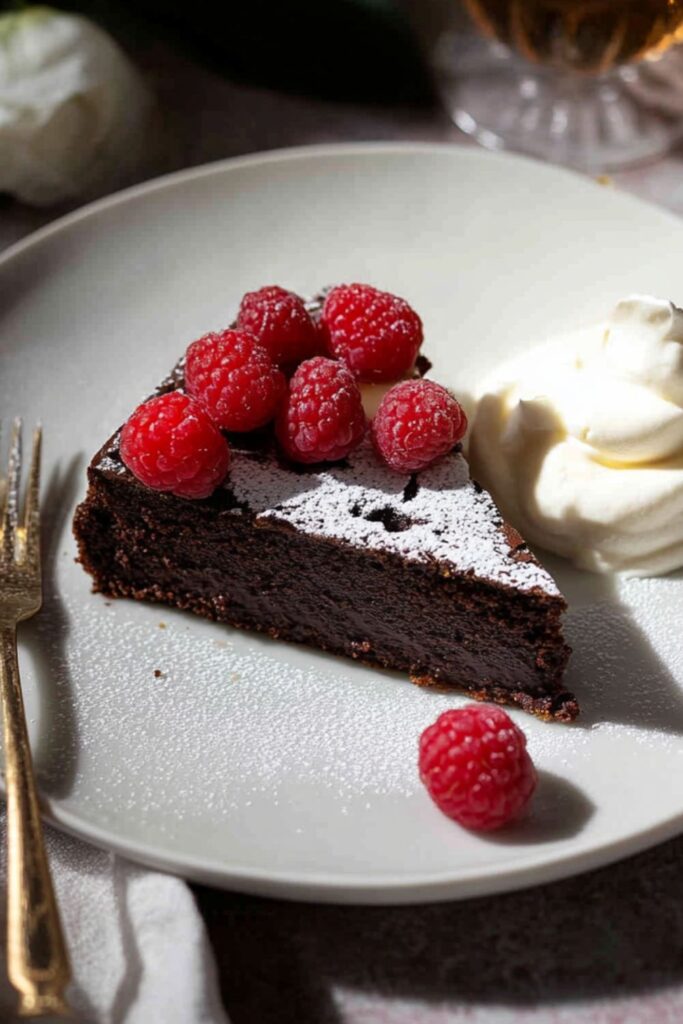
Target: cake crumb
[
  {"x": 162, "y": 625},
  {"x": 604, "y": 179},
  {"x": 158, "y": 674}
]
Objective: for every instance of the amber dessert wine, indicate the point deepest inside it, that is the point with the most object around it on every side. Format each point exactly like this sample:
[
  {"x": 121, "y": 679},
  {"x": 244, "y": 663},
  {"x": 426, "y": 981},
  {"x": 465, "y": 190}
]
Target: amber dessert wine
[
  {"x": 595, "y": 84},
  {"x": 586, "y": 35}
]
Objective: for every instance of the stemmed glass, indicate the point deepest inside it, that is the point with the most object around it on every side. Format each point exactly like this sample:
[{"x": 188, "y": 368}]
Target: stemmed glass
[{"x": 594, "y": 84}]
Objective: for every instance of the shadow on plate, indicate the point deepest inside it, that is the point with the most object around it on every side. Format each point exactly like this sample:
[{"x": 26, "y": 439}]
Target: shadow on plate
[
  {"x": 45, "y": 636},
  {"x": 560, "y": 811},
  {"x": 614, "y": 671}
]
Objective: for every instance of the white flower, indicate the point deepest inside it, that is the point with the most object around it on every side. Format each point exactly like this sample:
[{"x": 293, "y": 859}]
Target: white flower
[{"x": 73, "y": 110}]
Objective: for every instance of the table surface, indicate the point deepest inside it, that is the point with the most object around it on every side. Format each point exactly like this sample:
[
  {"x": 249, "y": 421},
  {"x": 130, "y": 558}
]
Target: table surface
[{"x": 603, "y": 948}]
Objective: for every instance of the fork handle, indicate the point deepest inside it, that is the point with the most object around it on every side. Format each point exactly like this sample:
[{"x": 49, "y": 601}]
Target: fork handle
[{"x": 37, "y": 960}]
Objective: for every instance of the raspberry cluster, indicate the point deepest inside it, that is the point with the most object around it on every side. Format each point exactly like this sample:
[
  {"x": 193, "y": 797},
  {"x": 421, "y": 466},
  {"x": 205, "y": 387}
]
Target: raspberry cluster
[{"x": 282, "y": 365}]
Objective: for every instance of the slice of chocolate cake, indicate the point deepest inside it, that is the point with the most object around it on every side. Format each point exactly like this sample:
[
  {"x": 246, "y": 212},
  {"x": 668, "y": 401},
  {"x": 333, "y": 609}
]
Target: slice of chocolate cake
[{"x": 417, "y": 573}]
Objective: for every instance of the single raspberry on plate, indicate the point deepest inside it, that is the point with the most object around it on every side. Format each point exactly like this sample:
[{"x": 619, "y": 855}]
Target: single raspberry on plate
[
  {"x": 322, "y": 418},
  {"x": 417, "y": 422},
  {"x": 378, "y": 335},
  {"x": 234, "y": 379},
  {"x": 169, "y": 443},
  {"x": 476, "y": 767},
  {"x": 280, "y": 322}
]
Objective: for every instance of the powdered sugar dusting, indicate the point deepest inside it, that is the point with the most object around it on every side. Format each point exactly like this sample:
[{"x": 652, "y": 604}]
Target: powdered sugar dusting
[
  {"x": 438, "y": 516},
  {"x": 112, "y": 464}
]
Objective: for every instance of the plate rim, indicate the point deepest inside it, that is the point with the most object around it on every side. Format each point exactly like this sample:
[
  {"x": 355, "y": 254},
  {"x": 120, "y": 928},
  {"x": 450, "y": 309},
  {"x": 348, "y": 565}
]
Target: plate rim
[
  {"x": 525, "y": 872},
  {"x": 292, "y": 153},
  {"x": 320, "y": 887}
]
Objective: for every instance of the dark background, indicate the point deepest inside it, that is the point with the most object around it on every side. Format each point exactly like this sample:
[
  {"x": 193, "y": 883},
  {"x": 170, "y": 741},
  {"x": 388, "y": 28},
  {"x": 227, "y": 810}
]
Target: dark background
[{"x": 335, "y": 49}]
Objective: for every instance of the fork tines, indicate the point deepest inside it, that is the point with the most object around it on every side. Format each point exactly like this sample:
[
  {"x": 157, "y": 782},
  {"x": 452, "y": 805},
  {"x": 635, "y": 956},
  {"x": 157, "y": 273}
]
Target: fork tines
[{"x": 20, "y": 540}]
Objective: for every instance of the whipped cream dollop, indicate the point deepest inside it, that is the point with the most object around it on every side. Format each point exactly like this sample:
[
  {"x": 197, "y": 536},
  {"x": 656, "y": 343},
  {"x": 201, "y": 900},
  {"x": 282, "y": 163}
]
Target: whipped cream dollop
[
  {"x": 74, "y": 113},
  {"x": 581, "y": 441}
]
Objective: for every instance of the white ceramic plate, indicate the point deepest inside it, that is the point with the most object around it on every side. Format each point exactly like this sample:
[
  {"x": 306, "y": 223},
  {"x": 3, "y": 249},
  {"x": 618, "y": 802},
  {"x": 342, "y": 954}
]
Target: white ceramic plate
[{"x": 259, "y": 765}]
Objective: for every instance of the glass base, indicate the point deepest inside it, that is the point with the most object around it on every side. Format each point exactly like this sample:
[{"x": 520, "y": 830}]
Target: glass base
[{"x": 593, "y": 123}]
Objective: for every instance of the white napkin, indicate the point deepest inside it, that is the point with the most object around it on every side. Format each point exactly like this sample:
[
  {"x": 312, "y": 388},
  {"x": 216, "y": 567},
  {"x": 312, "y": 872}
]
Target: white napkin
[{"x": 138, "y": 947}]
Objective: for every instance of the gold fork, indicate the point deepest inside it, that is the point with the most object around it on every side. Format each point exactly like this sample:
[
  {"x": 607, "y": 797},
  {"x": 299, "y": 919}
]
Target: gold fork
[{"x": 37, "y": 959}]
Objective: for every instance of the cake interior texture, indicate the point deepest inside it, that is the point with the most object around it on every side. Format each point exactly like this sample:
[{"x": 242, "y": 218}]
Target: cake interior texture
[{"x": 416, "y": 573}]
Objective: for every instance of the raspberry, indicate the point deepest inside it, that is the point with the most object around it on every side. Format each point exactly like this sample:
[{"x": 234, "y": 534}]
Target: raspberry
[
  {"x": 233, "y": 378},
  {"x": 279, "y": 321},
  {"x": 377, "y": 334},
  {"x": 475, "y": 764},
  {"x": 170, "y": 444},
  {"x": 322, "y": 419},
  {"x": 417, "y": 422}
]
